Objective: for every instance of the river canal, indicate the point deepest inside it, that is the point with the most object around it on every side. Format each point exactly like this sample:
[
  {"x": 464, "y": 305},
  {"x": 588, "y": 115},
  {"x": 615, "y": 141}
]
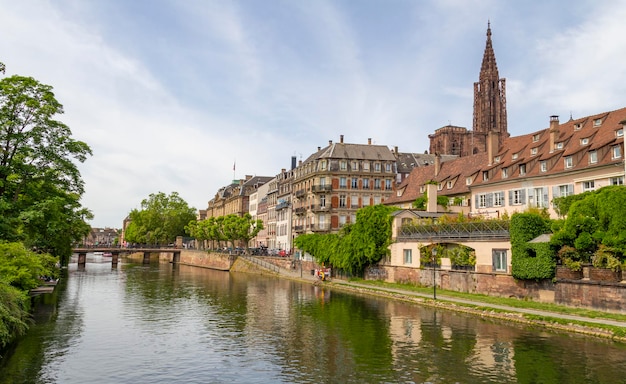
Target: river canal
[{"x": 160, "y": 323}]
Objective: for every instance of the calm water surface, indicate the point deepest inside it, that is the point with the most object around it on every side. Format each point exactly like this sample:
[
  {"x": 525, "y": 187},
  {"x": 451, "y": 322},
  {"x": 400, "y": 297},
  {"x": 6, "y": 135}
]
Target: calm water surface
[{"x": 163, "y": 324}]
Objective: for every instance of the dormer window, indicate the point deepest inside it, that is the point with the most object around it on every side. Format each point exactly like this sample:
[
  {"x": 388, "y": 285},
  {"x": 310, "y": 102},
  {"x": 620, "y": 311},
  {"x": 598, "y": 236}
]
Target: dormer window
[
  {"x": 468, "y": 181},
  {"x": 522, "y": 169},
  {"x": 544, "y": 166},
  {"x": 584, "y": 141},
  {"x": 422, "y": 189},
  {"x": 619, "y": 132},
  {"x": 533, "y": 151},
  {"x": 515, "y": 156},
  {"x": 593, "y": 157},
  {"x": 497, "y": 159},
  {"x": 597, "y": 122},
  {"x": 617, "y": 152},
  {"x": 450, "y": 184},
  {"x": 439, "y": 187},
  {"x": 569, "y": 162},
  {"x": 485, "y": 175},
  {"x": 343, "y": 165},
  {"x": 559, "y": 145},
  {"x": 505, "y": 173},
  {"x": 578, "y": 126},
  {"x": 536, "y": 138}
]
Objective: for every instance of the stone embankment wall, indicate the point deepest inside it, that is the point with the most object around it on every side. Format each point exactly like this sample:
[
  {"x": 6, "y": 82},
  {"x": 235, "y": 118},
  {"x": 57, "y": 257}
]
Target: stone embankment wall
[
  {"x": 203, "y": 259},
  {"x": 604, "y": 295}
]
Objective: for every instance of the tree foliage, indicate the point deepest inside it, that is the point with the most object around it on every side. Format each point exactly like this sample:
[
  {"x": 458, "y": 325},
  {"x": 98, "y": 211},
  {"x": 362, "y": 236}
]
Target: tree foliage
[
  {"x": 231, "y": 228},
  {"x": 40, "y": 185},
  {"x": 160, "y": 220},
  {"x": 595, "y": 228},
  {"x": 358, "y": 245}
]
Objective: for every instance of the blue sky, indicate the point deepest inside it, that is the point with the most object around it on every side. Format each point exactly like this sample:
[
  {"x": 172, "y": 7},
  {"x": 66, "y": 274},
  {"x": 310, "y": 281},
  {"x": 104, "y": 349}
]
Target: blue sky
[{"x": 169, "y": 94}]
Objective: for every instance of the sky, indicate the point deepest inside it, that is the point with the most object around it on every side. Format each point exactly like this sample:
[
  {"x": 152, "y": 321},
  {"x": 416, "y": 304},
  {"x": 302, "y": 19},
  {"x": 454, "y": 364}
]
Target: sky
[{"x": 186, "y": 95}]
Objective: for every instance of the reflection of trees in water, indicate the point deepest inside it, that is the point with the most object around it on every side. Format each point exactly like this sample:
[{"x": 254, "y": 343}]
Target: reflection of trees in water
[{"x": 52, "y": 334}]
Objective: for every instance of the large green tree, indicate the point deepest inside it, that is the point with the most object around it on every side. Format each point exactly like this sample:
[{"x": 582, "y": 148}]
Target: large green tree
[
  {"x": 160, "y": 220},
  {"x": 40, "y": 184}
]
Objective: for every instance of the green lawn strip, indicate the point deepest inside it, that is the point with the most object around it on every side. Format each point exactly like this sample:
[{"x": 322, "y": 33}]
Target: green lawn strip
[{"x": 511, "y": 302}]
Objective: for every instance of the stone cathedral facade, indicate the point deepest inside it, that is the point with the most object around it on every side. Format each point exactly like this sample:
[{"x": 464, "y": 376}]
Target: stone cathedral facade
[{"x": 489, "y": 113}]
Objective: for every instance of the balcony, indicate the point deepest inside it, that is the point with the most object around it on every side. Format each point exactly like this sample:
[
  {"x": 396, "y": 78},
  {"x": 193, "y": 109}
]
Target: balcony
[
  {"x": 321, "y": 188},
  {"x": 282, "y": 205},
  {"x": 320, "y": 227},
  {"x": 319, "y": 208},
  {"x": 300, "y": 193},
  {"x": 300, "y": 211},
  {"x": 298, "y": 228}
]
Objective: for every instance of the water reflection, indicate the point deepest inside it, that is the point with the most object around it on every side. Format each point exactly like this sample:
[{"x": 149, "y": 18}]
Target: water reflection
[{"x": 155, "y": 323}]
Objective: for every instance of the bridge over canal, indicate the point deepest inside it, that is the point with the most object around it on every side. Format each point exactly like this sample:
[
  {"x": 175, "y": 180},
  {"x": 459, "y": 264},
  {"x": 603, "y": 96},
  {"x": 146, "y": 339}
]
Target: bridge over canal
[{"x": 116, "y": 251}]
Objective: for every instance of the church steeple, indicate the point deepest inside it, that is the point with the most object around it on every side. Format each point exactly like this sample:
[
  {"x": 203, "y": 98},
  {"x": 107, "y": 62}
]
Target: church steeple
[{"x": 490, "y": 96}]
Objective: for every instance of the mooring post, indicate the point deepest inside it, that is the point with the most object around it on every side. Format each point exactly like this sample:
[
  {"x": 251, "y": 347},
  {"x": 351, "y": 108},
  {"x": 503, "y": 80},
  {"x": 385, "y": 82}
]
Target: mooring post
[
  {"x": 82, "y": 259},
  {"x": 114, "y": 259}
]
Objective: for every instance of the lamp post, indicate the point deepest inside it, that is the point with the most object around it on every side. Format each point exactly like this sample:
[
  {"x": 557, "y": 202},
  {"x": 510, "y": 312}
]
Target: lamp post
[{"x": 434, "y": 253}]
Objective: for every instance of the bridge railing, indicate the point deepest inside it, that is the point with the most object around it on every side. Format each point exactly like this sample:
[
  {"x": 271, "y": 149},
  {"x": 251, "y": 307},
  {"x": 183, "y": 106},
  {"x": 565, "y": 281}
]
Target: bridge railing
[
  {"x": 485, "y": 230},
  {"x": 262, "y": 263}
]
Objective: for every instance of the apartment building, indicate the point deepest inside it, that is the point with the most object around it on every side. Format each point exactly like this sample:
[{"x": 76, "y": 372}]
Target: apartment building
[{"x": 334, "y": 182}]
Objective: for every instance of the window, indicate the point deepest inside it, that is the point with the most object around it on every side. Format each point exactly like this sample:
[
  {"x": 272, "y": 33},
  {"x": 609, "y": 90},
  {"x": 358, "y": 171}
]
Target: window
[
  {"x": 408, "y": 256},
  {"x": 617, "y": 180},
  {"x": 323, "y": 165},
  {"x": 593, "y": 157},
  {"x": 322, "y": 201},
  {"x": 540, "y": 196},
  {"x": 366, "y": 200},
  {"x": 544, "y": 166},
  {"x": 439, "y": 186},
  {"x": 515, "y": 156},
  {"x": 342, "y": 220},
  {"x": 496, "y": 159},
  {"x": 376, "y": 200},
  {"x": 366, "y": 165},
  {"x": 468, "y": 181},
  {"x": 533, "y": 151},
  {"x": 388, "y": 167},
  {"x": 342, "y": 201},
  {"x": 376, "y": 167},
  {"x": 343, "y": 165},
  {"x": 584, "y": 141},
  {"x": 517, "y": 197},
  {"x": 617, "y": 152},
  {"x": 597, "y": 122},
  {"x": 482, "y": 201},
  {"x": 589, "y": 185},
  {"x": 536, "y": 137},
  {"x": 485, "y": 175},
  {"x": 578, "y": 126},
  {"x": 342, "y": 182},
  {"x": 366, "y": 183},
  {"x": 522, "y": 169},
  {"x": 563, "y": 190},
  {"x": 422, "y": 189},
  {"x": 355, "y": 183},
  {"x": 388, "y": 184},
  {"x": 498, "y": 199},
  {"x": 569, "y": 162},
  {"x": 505, "y": 172},
  {"x": 377, "y": 184},
  {"x": 450, "y": 184},
  {"x": 619, "y": 132},
  {"x": 559, "y": 145},
  {"x": 355, "y": 165},
  {"x": 354, "y": 201},
  {"x": 499, "y": 260}
]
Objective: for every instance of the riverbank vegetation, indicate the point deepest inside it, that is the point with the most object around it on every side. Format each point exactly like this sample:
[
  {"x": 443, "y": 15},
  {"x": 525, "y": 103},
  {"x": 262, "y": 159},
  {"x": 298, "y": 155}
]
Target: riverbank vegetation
[
  {"x": 40, "y": 189},
  {"x": 233, "y": 229}
]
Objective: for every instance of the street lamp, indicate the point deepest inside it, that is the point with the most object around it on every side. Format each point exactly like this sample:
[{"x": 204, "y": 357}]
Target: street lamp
[{"x": 434, "y": 253}]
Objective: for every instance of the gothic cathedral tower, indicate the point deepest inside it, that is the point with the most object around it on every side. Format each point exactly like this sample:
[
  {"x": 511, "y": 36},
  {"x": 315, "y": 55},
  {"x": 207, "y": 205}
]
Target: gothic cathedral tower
[
  {"x": 489, "y": 114},
  {"x": 490, "y": 97}
]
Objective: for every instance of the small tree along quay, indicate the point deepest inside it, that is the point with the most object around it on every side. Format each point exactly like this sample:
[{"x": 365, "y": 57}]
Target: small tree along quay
[
  {"x": 40, "y": 190},
  {"x": 230, "y": 228},
  {"x": 160, "y": 220},
  {"x": 358, "y": 245}
]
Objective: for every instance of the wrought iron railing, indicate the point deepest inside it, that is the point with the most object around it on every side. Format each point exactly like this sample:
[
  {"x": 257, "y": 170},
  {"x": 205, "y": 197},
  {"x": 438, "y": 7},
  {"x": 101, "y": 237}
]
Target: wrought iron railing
[{"x": 485, "y": 230}]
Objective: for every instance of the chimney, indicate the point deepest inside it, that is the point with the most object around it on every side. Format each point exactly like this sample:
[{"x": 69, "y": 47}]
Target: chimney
[
  {"x": 300, "y": 163},
  {"x": 330, "y": 142},
  {"x": 293, "y": 162},
  {"x": 553, "y": 131},
  {"x": 319, "y": 148},
  {"x": 437, "y": 164},
  {"x": 395, "y": 149},
  {"x": 431, "y": 195},
  {"x": 492, "y": 145},
  {"x": 341, "y": 139},
  {"x": 369, "y": 141}
]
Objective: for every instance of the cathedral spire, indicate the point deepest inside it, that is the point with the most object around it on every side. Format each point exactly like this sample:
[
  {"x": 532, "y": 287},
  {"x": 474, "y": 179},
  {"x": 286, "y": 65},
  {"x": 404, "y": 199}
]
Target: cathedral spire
[{"x": 490, "y": 96}]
